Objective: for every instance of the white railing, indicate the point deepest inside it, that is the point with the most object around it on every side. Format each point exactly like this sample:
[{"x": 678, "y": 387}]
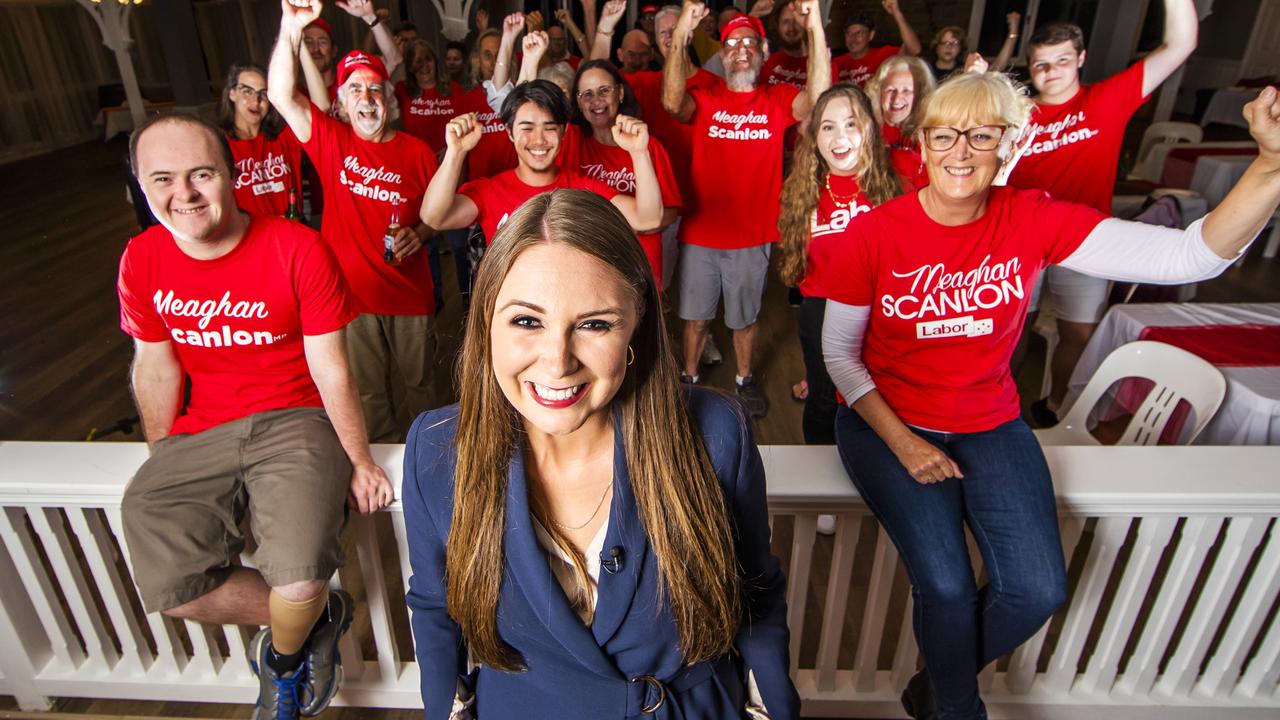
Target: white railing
[{"x": 1175, "y": 577}]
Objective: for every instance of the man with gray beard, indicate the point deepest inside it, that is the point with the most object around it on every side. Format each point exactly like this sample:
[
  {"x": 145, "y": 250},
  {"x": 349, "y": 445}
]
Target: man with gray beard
[
  {"x": 373, "y": 179},
  {"x": 738, "y": 132}
]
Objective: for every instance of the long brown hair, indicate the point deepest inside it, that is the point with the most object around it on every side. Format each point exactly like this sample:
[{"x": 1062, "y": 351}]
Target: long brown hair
[
  {"x": 809, "y": 172},
  {"x": 677, "y": 492},
  {"x": 416, "y": 48}
]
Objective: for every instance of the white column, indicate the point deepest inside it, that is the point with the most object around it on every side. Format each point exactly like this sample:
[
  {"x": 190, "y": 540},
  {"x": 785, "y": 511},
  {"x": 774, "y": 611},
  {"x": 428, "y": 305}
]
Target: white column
[{"x": 113, "y": 20}]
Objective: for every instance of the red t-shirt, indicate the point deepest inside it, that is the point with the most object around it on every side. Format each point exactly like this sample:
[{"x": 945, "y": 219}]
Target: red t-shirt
[
  {"x": 1075, "y": 153},
  {"x": 737, "y": 158},
  {"x": 675, "y": 136},
  {"x": 859, "y": 70},
  {"x": 611, "y": 165},
  {"x": 364, "y": 184},
  {"x": 827, "y": 226},
  {"x": 499, "y": 196},
  {"x": 266, "y": 170},
  {"x": 494, "y": 154},
  {"x": 780, "y": 67},
  {"x": 236, "y": 322},
  {"x": 426, "y": 115},
  {"x": 948, "y": 303}
]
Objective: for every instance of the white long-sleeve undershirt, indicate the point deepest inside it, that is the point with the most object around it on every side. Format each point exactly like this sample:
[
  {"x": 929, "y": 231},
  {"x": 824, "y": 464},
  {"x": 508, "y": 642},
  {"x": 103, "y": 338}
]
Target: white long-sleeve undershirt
[{"x": 1115, "y": 249}]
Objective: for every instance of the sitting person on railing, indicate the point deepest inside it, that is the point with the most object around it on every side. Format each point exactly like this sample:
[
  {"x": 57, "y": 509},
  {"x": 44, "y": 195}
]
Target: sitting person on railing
[
  {"x": 925, "y": 302},
  {"x": 252, "y": 310},
  {"x": 589, "y": 532}
]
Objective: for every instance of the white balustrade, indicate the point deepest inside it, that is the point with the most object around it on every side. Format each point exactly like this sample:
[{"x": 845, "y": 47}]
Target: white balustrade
[{"x": 1174, "y": 550}]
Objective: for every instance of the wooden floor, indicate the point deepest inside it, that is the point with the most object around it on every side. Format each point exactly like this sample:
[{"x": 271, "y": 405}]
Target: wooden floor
[{"x": 64, "y": 364}]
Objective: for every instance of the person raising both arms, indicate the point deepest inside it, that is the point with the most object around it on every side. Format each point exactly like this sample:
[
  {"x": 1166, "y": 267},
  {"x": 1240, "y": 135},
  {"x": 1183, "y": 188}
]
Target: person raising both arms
[
  {"x": 1075, "y": 153},
  {"x": 861, "y": 61}
]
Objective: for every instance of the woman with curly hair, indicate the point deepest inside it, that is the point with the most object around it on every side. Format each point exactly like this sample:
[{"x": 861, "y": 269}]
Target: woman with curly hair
[{"x": 839, "y": 171}]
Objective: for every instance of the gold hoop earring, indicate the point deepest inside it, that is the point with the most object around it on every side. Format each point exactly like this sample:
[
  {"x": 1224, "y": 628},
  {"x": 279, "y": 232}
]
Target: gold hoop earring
[{"x": 631, "y": 356}]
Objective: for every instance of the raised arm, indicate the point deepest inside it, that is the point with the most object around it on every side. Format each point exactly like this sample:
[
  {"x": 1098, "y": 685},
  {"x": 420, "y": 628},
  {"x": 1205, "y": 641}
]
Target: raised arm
[
  {"x": 282, "y": 74},
  {"x": 644, "y": 211},
  {"x": 603, "y": 40},
  {"x": 1010, "y": 42},
  {"x": 443, "y": 208},
  {"x": 589, "y": 24},
  {"x": 675, "y": 73},
  {"x": 363, "y": 9},
  {"x": 819, "y": 63},
  {"x": 316, "y": 88},
  {"x": 156, "y": 376},
  {"x": 534, "y": 46},
  {"x": 1181, "y": 28},
  {"x": 512, "y": 26},
  {"x": 1247, "y": 208},
  {"x": 910, "y": 41},
  {"x": 327, "y": 360},
  {"x": 566, "y": 22}
]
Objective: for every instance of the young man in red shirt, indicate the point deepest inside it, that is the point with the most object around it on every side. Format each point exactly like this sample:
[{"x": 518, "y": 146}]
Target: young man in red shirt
[
  {"x": 373, "y": 178},
  {"x": 861, "y": 61},
  {"x": 252, "y": 310},
  {"x": 737, "y": 160},
  {"x": 1078, "y": 130},
  {"x": 536, "y": 114},
  {"x": 789, "y": 64}
]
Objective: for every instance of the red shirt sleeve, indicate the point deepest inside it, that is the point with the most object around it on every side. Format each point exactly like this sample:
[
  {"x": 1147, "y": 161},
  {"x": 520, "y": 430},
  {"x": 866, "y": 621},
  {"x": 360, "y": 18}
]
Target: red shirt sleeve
[
  {"x": 1062, "y": 225},
  {"x": 666, "y": 178},
  {"x": 323, "y": 136},
  {"x": 323, "y": 303},
  {"x": 1122, "y": 93},
  {"x": 782, "y": 96},
  {"x": 138, "y": 316},
  {"x": 476, "y": 190},
  {"x": 849, "y": 276}
]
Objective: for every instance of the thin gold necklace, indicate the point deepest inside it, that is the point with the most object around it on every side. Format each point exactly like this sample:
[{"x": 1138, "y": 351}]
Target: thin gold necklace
[
  {"x": 595, "y": 512},
  {"x": 836, "y": 198}
]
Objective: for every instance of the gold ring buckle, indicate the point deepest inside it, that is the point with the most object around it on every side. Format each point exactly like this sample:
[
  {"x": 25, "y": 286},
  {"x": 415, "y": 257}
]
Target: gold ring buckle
[{"x": 662, "y": 693}]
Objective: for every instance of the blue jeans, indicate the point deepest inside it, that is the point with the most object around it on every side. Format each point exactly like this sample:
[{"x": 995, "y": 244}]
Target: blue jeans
[{"x": 1006, "y": 498}]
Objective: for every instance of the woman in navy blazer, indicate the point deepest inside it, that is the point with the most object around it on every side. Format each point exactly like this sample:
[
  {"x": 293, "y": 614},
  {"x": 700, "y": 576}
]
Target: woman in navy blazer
[{"x": 588, "y": 619}]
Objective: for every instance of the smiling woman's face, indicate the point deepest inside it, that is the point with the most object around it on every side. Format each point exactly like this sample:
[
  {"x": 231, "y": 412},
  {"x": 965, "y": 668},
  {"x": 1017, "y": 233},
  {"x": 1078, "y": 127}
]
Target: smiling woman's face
[{"x": 561, "y": 325}]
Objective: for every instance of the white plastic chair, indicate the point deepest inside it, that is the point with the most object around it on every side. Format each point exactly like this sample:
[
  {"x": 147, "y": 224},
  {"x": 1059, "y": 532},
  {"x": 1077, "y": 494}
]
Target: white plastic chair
[
  {"x": 1177, "y": 374},
  {"x": 1164, "y": 133}
]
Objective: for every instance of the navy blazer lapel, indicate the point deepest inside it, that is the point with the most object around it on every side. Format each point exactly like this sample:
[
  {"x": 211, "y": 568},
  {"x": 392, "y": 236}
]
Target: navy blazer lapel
[
  {"x": 528, "y": 567},
  {"x": 626, "y": 533}
]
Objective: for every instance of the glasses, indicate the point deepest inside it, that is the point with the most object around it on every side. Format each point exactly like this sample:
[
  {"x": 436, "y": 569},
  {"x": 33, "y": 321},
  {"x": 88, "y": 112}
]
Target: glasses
[
  {"x": 603, "y": 92},
  {"x": 249, "y": 93},
  {"x": 983, "y": 137},
  {"x": 950, "y": 43},
  {"x": 746, "y": 42}
]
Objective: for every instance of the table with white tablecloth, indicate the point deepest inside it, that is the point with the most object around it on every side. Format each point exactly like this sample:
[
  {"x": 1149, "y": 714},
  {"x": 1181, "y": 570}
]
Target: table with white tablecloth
[
  {"x": 1250, "y": 413},
  {"x": 1152, "y": 166},
  {"x": 1215, "y": 175}
]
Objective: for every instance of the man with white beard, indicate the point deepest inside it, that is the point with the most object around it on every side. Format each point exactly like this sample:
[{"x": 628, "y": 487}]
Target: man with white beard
[
  {"x": 373, "y": 179},
  {"x": 737, "y": 163}
]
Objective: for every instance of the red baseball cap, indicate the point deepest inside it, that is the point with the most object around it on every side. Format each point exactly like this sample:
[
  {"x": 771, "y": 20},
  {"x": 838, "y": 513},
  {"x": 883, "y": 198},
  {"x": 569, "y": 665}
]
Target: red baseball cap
[
  {"x": 649, "y": 10},
  {"x": 357, "y": 59},
  {"x": 739, "y": 21},
  {"x": 320, "y": 23}
]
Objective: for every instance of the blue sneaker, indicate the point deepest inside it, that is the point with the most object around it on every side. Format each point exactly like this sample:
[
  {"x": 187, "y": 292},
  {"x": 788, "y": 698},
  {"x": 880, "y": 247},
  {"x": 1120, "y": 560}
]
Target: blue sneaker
[
  {"x": 280, "y": 697},
  {"x": 324, "y": 662}
]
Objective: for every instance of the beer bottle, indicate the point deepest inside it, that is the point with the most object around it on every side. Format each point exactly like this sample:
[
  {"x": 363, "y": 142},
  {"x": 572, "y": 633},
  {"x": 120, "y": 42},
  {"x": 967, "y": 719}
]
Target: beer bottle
[
  {"x": 389, "y": 238},
  {"x": 292, "y": 213}
]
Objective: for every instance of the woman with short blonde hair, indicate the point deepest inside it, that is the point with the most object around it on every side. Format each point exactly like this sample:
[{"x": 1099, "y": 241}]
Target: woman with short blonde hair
[{"x": 923, "y": 312}]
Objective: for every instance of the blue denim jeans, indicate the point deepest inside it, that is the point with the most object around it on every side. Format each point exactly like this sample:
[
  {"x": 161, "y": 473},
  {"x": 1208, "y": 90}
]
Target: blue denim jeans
[{"x": 1006, "y": 498}]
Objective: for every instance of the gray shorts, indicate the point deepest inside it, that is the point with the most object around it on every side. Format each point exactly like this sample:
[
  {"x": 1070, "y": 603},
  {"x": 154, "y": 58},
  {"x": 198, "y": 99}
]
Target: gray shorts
[
  {"x": 707, "y": 273},
  {"x": 183, "y": 509}
]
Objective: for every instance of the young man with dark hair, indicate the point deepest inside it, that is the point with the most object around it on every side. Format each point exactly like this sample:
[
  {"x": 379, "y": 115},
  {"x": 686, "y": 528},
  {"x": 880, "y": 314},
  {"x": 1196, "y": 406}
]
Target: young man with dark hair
[
  {"x": 252, "y": 309},
  {"x": 536, "y": 114},
  {"x": 1074, "y": 152},
  {"x": 861, "y": 61}
]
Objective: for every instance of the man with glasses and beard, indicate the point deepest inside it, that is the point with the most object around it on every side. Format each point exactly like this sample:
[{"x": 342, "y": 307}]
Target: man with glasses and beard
[
  {"x": 739, "y": 127},
  {"x": 374, "y": 178}
]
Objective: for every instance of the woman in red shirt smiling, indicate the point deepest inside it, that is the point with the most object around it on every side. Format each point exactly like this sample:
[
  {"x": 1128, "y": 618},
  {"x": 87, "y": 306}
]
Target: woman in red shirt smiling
[{"x": 923, "y": 313}]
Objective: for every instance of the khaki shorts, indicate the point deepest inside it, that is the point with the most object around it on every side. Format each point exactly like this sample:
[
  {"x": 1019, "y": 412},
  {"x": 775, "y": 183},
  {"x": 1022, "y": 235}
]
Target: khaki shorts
[{"x": 183, "y": 509}]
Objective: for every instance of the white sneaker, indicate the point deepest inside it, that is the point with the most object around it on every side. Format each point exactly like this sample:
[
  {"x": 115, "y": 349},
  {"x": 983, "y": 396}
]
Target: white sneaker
[
  {"x": 826, "y": 524},
  {"x": 710, "y": 353}
]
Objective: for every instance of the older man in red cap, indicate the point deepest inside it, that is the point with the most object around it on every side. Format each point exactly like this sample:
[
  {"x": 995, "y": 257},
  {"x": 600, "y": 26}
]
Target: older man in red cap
[
  {"x": 737, "y": 166},
  {"x": 374, "y": 179},
  {"x": 318, "y": 39}
]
